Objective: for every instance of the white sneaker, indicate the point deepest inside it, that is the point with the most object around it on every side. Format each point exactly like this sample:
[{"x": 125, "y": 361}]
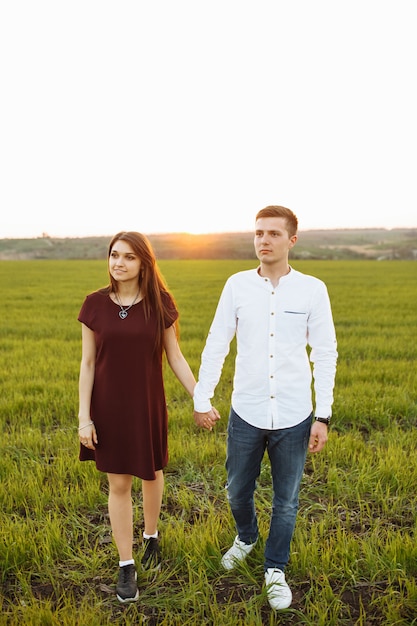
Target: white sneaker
[
  {"x": 278, "y": 592},
  {"x": 237, "y": 553}
]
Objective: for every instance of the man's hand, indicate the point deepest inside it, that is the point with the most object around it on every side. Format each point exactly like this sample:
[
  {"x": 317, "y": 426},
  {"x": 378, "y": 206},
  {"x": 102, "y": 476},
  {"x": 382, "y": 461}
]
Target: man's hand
[
  {"x": 207, "y": 420},
  {"x": 318, "y": 437}
]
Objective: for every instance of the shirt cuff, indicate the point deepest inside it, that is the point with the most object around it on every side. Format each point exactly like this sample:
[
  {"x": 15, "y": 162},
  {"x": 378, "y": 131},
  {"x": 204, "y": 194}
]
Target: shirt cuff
[
  {"x": 323, "y": 411},
  {"x": 202, "y": 406}
]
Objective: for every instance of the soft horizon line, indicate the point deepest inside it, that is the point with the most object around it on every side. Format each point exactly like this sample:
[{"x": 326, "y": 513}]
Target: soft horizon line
[{"x": 212, "y": 233}]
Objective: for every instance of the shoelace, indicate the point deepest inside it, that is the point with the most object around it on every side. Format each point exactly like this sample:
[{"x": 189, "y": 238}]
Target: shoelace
[{"x": 126, "y": 574}]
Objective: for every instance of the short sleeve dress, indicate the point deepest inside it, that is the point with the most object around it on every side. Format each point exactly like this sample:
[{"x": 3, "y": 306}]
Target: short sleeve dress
[{"x": 128, "y": 403}]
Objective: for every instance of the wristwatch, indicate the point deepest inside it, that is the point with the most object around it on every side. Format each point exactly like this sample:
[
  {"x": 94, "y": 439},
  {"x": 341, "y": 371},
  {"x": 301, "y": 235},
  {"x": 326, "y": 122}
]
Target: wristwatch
[{"x": 323, "y": 420}]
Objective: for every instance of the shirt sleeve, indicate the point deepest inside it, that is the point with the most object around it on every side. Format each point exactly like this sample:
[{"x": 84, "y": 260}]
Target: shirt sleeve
[
  {"x": 322, "y": 339},
  {"x": 170, "y": 310},
  {"x": 86, "y": 314},
  {"x": 222, "y": 331}
]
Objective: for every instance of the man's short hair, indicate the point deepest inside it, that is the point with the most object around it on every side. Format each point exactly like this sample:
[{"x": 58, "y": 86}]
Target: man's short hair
[{"x": 281, "y": 211}]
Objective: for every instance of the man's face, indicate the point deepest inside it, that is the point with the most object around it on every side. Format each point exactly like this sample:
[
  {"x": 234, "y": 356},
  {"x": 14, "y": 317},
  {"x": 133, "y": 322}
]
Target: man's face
[{"x": 272, "y": 241}]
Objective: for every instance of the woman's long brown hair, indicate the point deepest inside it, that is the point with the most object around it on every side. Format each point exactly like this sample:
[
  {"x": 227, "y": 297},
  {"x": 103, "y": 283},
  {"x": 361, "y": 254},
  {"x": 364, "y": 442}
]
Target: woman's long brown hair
[{"x": 151, "y": 282}]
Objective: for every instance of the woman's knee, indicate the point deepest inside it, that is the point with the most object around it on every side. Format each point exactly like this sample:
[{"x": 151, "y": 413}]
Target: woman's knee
[{"x": 120, "y": 484}]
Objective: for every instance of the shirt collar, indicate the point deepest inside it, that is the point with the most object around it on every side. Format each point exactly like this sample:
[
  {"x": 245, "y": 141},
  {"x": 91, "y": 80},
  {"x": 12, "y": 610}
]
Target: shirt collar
[{"x": 284, "y": 278}]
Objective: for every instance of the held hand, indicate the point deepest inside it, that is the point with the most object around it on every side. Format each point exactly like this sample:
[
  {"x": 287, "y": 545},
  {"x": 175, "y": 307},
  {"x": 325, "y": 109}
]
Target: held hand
[
  {"x": 88, "y": 436},
  {"x": 207, "y": 420},
  {"x": 318, "y": 437}
]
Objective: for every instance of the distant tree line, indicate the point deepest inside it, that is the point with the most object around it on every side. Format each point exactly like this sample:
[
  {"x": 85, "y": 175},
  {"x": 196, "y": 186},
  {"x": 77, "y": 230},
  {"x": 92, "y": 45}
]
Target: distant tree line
[{"x": 313, "y": 244}]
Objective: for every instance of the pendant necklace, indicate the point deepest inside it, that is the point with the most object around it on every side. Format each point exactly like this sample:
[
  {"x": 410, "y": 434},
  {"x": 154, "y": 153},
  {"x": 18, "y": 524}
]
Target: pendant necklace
[{"x": 124, "y": 310}]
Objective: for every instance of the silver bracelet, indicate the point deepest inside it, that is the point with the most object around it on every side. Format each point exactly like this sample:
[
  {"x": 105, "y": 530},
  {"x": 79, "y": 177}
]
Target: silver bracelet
[{"x": 90, "y": 424}]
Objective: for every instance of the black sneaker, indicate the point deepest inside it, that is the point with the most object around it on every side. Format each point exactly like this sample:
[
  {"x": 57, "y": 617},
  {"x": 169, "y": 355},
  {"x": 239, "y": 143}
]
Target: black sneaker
[
  {"x": 126, "y": 588},
  {"x": 152, "y": 556}
]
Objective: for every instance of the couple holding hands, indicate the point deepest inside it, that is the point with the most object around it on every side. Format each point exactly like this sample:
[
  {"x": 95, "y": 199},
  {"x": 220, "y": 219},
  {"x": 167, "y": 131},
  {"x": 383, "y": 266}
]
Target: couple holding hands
[{"x": 276, "y": 313}]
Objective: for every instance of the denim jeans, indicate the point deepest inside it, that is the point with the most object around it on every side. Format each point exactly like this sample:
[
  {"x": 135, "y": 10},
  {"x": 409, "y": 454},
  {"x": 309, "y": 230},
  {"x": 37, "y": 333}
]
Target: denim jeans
[{"x": 287, "y": 449}]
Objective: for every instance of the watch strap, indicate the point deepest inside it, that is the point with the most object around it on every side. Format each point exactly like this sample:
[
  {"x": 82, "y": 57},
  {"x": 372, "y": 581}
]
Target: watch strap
[{"x": 323, "y": 420}]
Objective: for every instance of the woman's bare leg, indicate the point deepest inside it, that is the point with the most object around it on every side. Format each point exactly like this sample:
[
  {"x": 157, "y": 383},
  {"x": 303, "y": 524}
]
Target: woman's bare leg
[
  {"x": 152, "y": 491},
  {"x": 121, "y": 513}
]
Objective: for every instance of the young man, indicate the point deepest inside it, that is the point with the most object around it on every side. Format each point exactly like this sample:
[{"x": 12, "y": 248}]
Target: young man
[{"x": 275, "y": 313}]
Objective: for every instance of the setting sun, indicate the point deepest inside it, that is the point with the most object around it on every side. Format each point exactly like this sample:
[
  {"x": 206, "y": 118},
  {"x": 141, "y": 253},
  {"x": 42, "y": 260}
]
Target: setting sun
[{"x": 197, "y": 230}]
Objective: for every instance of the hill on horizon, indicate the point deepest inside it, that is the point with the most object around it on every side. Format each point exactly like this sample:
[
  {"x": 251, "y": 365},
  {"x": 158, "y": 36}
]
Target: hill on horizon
[{"x": 367, "y": 243}]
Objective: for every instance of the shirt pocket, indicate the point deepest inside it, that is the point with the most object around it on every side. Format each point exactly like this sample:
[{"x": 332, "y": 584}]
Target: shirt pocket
[{"x": 292, "y": 326}]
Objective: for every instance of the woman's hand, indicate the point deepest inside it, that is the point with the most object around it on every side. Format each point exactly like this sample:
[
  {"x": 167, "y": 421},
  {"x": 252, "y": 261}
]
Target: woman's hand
[{"x": 88, "y": 435}]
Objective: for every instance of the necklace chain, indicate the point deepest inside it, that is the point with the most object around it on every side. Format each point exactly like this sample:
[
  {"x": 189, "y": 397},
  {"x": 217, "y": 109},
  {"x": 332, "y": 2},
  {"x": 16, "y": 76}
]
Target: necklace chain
[{"x": 124, "y": 310}]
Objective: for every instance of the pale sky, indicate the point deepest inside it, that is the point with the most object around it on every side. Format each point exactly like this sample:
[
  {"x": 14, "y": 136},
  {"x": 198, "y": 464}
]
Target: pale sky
[{"x": 189, "y": 116}]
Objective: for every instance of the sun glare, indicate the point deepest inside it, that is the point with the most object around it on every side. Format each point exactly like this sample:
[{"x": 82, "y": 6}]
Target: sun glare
[{"x": 198, "y": 230}]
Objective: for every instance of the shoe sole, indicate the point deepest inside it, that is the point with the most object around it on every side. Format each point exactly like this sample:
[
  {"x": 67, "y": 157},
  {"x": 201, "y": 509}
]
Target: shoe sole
[{"x": 126, "y": 600}]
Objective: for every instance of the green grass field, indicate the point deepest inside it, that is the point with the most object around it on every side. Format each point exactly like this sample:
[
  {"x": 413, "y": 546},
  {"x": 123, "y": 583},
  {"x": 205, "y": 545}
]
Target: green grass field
[{"x": 354, "y": 553}]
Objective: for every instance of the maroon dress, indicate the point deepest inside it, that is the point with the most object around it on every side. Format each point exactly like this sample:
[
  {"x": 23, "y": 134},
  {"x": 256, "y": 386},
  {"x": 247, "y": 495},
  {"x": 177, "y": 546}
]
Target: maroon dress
[{"x": 128, "y": 404}]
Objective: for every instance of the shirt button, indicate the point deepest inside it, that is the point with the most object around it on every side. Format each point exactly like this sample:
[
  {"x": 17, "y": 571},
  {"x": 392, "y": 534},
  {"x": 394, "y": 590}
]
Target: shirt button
[
  {"x": 272, "y": 313},
  {"x": 271, "y": 356}
]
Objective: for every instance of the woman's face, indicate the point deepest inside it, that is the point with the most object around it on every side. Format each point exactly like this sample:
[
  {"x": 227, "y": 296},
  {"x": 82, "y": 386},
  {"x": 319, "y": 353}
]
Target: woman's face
[{"x": 124, "y": 263}]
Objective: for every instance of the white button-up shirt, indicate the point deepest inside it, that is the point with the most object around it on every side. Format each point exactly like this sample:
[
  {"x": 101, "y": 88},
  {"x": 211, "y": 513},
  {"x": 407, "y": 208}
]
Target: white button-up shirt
[{"x": 272, "y": 386}]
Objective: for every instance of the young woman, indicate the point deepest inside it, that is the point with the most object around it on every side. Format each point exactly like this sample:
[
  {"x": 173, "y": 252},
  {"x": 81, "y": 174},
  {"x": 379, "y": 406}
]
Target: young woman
[{"x": 126, "y": 327}]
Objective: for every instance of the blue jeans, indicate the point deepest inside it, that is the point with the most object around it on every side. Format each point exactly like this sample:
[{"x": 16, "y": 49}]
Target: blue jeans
[{"x": 287, "y": 450}]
